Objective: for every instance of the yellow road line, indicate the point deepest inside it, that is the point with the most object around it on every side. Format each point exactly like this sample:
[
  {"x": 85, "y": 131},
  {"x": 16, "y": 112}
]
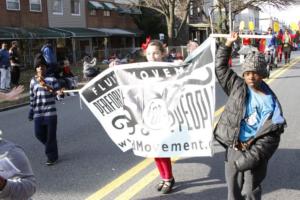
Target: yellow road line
[
  {"x": 148, "y": 178},
  {"x": 138, "y": 186},
  {"x": 120, "y": 180},
  {"x": 282, "y": 70}
]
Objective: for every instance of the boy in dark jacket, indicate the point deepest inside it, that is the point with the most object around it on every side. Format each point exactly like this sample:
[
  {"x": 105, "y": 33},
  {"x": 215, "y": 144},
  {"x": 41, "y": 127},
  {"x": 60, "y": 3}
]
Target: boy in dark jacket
[{"x": 251, "y": 124}]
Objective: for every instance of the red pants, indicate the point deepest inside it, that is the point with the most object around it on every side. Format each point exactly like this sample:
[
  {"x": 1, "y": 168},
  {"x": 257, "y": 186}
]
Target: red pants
[
  {"x": 279, "y": 53},
  {"x": 230, "y": 62},
  {"x": 164, "y": 167}
]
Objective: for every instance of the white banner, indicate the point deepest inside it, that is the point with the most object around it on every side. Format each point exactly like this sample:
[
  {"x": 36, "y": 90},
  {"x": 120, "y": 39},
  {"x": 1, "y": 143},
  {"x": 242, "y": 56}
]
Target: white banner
[{"x": 158, "y": 109}]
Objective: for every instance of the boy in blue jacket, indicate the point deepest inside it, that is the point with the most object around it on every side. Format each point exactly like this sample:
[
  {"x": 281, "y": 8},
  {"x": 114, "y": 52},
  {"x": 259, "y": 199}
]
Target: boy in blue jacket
[{"x": 251, "y": 124}]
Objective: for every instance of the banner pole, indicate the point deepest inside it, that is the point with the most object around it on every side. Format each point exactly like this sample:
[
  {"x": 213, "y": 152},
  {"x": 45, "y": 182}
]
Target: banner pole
[
  {"x": 220, "y": 35},
  {"x": 70, "y": 91}
]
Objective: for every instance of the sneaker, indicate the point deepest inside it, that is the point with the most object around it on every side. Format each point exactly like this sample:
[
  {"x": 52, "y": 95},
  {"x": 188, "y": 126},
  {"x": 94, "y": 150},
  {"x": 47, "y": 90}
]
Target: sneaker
[
  {"x": 167, "y": 187},
  {"x": 51, "y": 162}
]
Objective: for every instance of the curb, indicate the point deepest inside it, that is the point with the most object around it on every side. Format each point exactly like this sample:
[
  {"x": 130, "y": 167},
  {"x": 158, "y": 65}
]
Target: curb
[{"x": 14, "y": 106}]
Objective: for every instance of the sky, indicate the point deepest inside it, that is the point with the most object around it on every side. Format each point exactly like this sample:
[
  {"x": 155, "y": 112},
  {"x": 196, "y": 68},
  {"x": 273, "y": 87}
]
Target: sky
[{"x": 289, "y": 14}]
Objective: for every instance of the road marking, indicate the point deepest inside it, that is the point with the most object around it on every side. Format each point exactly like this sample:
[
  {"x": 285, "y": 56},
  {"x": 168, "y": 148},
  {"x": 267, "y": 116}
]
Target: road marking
[
  {"x": 120, "y": 180},
  {"x": 148, "y": 178},
  {"x": 138, "y": 186},
  {"x": 277, "y": 73}
]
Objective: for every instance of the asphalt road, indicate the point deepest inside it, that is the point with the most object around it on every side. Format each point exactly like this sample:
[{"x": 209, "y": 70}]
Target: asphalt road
[{"x": 90, "y": 161}]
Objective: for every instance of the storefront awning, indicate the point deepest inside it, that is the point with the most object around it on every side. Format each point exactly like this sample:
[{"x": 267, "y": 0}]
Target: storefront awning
[
  {"x": 95, "y": 5},
  {"x": 7, "y": 33},
  {"x": 110, "y": 6},
  {"x": 115, "y": 32},
  {"x": 82, "y": 32},
  {"x": 46, "y": 33},
  {"x": 102, "y": 6},
  {"x": 120, "y": 8},
  {"x": 10, "y": 33}
]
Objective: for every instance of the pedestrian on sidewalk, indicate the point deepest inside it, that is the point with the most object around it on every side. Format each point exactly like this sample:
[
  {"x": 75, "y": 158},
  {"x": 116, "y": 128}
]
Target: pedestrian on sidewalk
[
  {"x": 17, "y": 181},
  {"x": 287, "y": 45},
  {"x": 279, "y": 45},
  {"x": 15, "y": 63},
  {"x": 251, "y": 124},
  {"x": 89, "y": 68},
  {"x": 4, "y": 68},
  {"x": 191, "y": 46},
  {"x": 49, "y": 55},
  {"x": 155, "y": 52},
  {"x": 68, "y": 76},
  {"x": 43, "y": 93}
]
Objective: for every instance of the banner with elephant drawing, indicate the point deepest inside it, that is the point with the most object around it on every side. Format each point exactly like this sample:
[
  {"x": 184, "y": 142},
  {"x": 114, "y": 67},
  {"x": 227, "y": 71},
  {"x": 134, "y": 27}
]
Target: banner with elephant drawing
[{"x": 158, "y": 109}]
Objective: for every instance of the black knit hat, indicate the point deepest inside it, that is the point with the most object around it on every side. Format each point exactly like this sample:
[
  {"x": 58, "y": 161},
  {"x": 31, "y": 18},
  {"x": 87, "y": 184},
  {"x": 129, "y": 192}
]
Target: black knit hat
[
  {"x": 39, "y": 60},
  {"x": 255, "y": 62}
]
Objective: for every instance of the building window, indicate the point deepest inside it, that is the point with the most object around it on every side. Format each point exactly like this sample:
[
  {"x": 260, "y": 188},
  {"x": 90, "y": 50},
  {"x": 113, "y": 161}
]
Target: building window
[
  {"x": 106, "y": 13},
  {"x": 36, "y": 5},
  {"x": 13, "y": 4},
  {"x": 75, "y": 7},
  {"x": 93, "y": 12},
  {"x": 57, "y": 7}
]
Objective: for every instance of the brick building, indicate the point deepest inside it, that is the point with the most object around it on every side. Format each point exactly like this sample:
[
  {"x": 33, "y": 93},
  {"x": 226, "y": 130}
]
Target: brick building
[{"x": 75, "y": 27}]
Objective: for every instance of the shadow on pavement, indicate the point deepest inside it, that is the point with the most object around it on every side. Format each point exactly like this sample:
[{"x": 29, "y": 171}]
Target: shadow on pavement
[{"x": 283, "y": 173}]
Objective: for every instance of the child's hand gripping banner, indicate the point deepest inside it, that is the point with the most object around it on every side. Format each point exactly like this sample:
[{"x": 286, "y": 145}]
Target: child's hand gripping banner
[{"x": 158, "y": 109}]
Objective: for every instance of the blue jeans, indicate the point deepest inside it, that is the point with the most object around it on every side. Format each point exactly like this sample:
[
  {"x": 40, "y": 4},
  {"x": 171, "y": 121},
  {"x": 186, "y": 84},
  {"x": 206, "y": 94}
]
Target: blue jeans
[
  {"x": 4, "y": 78},
  {"x": 45, "y": 132}
]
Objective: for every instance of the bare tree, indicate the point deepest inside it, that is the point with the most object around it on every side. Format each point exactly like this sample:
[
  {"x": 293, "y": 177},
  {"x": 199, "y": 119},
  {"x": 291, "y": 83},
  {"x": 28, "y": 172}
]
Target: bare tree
[
  {"x": 172, "y": 10},
  {"x": 177, "y": 11},
  {"x": 222, "y": 8}
]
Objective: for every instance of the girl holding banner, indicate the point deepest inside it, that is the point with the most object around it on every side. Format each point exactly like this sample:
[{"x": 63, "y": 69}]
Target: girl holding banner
[{"x": 154, "y": 53}]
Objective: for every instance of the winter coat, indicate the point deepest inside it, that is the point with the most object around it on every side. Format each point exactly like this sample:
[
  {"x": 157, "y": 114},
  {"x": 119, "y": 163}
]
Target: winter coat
[
  {"x": 289, "y": 39},
  {"x": 49, "y": 55},
  {"x": 14, "y": 56},
  {"x": 227, "y": 130},
  {"x": 4, "y": 59}
]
